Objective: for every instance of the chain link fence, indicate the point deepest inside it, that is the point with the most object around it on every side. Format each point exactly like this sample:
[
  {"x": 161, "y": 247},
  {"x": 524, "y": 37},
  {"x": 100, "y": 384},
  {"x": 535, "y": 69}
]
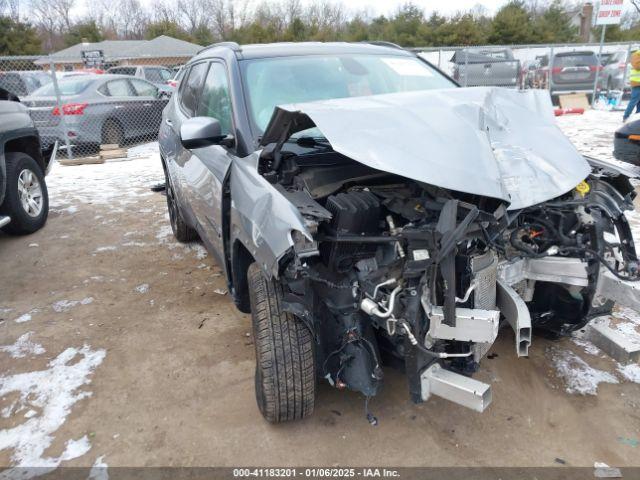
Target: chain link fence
[
  {"x": 94, "y": 108},
  {"x": 560, "y": 69}
]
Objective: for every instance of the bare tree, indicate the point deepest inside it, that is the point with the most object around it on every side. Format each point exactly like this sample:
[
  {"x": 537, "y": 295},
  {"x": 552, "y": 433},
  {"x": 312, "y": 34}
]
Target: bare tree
[{"x": 10, "y": 8}]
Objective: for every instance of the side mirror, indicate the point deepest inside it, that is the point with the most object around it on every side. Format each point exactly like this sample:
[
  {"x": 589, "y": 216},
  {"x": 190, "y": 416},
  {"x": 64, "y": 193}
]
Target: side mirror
[{"x": 198, "y": 132}]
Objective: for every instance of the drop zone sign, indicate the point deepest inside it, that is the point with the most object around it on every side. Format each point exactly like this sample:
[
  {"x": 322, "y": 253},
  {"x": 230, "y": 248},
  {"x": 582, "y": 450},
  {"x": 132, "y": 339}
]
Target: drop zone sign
[{"x": 610, "y": 12}]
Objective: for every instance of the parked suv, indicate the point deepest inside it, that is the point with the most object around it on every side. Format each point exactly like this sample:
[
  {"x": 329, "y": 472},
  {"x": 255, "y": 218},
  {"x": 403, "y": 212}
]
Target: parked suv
[
  {"x": 612, "y": 76},
  {"x": 368, "y": 213},
  {"x": 570, "y": 72},
  {"x": 24, "y": 202}
]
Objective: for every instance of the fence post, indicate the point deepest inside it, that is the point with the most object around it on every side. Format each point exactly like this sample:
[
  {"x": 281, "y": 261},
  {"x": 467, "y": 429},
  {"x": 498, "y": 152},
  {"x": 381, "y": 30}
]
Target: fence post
[
  {"x": 440, "y": 58},
  {"x": 550, "y": 70},
  {"x": 624, "y": 74},
  {"x": 598, "y": 67},
  {"x": 60, "y": 110},
  {"x": 466, "y": 67}
]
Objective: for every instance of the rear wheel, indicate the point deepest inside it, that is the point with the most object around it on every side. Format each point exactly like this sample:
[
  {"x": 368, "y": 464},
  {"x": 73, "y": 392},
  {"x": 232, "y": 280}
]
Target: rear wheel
[
  {"x": 112, "y": 133},
  {"x": 285, "y": 362},
  {"x": 182, "y": 231},
  {"x": 26, "y": 198}
]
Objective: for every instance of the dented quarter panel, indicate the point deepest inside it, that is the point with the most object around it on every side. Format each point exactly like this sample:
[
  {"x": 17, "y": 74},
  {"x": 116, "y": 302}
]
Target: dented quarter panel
[
  {"x": 261, "y": 217},
  {"x": 485, "y": 141}
]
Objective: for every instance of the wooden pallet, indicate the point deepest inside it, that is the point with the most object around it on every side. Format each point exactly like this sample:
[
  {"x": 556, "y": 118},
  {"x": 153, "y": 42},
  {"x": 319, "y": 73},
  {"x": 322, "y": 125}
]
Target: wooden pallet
[{"x": 80, "y": 161}]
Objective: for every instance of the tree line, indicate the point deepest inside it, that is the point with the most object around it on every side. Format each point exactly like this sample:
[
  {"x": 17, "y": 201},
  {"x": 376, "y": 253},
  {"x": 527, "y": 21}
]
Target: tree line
[{"x": 29, "y": 27}]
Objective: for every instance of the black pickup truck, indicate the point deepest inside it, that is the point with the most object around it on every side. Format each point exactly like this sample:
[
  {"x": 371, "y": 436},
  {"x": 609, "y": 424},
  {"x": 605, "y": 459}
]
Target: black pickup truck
[{"x": 24, "y": 202}]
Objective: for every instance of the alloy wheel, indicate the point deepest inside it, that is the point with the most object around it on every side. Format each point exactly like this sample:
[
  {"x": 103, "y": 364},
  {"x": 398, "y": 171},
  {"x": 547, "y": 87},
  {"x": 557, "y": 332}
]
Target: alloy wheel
[{"x": 30, "y": 193}]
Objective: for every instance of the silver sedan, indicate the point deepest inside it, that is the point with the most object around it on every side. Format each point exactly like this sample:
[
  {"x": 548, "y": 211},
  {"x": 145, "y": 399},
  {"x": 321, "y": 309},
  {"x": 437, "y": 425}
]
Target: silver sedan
[{"x": 97, "y": 109}]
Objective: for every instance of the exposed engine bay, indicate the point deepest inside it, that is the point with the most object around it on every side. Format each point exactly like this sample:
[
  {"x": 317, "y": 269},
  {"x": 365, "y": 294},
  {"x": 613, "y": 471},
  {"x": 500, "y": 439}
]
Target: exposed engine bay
[{"x": 400, "y": 272}]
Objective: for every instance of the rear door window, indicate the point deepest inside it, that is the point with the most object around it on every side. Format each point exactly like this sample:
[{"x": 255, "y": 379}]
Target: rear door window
[
  {"x": 191, "y": 88},
  {"x": 117, "y": 88},
  {"x": 158, "y": 75},
  {"x": 144, "y": 89}
]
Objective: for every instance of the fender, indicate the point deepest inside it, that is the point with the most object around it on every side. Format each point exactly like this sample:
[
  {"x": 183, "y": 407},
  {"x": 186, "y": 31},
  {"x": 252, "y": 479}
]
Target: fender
[{"x": 261, "y": 218}]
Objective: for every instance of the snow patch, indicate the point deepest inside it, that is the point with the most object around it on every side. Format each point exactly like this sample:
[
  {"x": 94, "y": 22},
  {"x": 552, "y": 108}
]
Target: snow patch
[
  {"x": 65, "y": 305},
  {"x": 53, "y": 392},
  {"x": 23, "y": 347},
  {"x": 579, "y": 376},
  {"x": 630, "y": 372},
  {"x": 107, "y": 248},
  {"x": 142, "y": 288}
]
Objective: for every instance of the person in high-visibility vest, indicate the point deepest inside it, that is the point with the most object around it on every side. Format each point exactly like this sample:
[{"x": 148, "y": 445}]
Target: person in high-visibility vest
[{"x": 634, "y": 80}]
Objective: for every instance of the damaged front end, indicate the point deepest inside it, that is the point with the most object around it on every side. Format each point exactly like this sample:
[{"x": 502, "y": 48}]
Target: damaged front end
[{"x": 395, "y": 267}]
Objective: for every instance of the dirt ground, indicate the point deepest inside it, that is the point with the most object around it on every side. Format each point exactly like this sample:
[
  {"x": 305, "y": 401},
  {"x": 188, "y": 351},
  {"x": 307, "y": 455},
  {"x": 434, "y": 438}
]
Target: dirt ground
[{"x": 136, "y": 357}]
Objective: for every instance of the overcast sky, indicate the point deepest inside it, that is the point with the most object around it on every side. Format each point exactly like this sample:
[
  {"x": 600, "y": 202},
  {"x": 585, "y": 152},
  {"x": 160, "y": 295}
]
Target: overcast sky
[
  {"x": 389, "y": 6},
  {"x": 444, "y": 7}
]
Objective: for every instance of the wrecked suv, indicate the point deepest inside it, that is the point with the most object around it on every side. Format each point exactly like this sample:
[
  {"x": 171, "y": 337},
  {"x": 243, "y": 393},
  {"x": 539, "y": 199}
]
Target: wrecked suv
[{"x": 367, "y": 212}]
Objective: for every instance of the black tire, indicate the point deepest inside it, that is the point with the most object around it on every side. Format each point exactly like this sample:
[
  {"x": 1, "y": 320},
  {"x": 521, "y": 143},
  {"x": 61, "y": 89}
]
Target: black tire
[
  {"x": 22, "y": 222},
  {"x": 112, "y": 133},
  {"x": 183, "y": 232},
  {"x": 285, "y": 362}
]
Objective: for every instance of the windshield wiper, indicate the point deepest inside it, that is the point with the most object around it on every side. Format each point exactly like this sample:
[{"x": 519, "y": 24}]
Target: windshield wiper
[{"x": 306, "y": 141}]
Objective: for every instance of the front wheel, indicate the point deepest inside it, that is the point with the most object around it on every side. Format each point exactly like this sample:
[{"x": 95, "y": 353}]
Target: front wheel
[
  {"x": 182, "y": 231},
  {"x": 26, "y": 199},
  {"x": 285, "y": 363}
]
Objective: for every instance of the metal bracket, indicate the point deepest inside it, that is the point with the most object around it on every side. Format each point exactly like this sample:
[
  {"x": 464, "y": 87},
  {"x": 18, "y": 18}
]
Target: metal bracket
[
  {"x": 472, "y": 325},
  {"x": 517, "y": 314},
  {"x": 454, "y": 387},
  {"x": 622, "y": 292},
  {"x": 571, "y": 271}
]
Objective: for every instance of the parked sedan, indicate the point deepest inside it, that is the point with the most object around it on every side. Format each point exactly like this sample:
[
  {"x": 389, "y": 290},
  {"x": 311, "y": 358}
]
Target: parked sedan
[{"x": 98, "y": 109}]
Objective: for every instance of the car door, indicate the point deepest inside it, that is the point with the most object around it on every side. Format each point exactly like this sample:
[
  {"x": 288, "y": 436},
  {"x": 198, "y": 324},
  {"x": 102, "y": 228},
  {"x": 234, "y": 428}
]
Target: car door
[
  {"x": 149, "y": 107},
  {"x": 206, "y": 169},
  {"x": 183, "y": 107},
  {"x": 121, "y": 106}
]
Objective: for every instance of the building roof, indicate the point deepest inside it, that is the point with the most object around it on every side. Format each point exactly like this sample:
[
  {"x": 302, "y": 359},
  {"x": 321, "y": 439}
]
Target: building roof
[{"x": 162, "y": 46}]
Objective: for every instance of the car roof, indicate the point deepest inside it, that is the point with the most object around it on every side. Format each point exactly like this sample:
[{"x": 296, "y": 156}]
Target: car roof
[
  {"x": 138, "y": 66},
  {"x": 285, "y": 49},
  {"x": 95, "y": 77}
]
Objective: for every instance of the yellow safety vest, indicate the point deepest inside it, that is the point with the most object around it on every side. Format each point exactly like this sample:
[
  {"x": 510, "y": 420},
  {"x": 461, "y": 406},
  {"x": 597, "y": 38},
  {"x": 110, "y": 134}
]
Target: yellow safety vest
[{"x": 634, "y": 77}]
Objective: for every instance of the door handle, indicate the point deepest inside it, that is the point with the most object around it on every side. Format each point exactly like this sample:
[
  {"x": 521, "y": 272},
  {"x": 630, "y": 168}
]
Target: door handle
[{"x": 168, "y": 122}]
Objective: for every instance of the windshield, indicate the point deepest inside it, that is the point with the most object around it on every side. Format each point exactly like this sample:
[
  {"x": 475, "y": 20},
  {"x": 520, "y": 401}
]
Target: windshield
[
  {"x": 277, "y": 81},
  {"x": 576, "y": 60},
  {"x": 71, "y": 86}
]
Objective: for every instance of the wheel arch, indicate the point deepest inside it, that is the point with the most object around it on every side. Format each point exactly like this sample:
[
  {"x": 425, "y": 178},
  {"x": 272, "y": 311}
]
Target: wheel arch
[
  {"x": 28, "y": 144},
  {"x": 241, "y": 259},
  {"x": 114, "y": 120}
]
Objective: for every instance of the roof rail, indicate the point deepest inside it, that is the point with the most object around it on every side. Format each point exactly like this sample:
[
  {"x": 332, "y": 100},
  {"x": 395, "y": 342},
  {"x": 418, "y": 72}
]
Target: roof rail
[
  {"x": 232, "y": 45},
  {"x": 382, "y": 43}
]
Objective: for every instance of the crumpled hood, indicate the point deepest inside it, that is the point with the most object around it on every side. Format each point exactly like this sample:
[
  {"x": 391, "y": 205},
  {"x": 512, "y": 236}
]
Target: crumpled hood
[{"x": 487, "y": 141}]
